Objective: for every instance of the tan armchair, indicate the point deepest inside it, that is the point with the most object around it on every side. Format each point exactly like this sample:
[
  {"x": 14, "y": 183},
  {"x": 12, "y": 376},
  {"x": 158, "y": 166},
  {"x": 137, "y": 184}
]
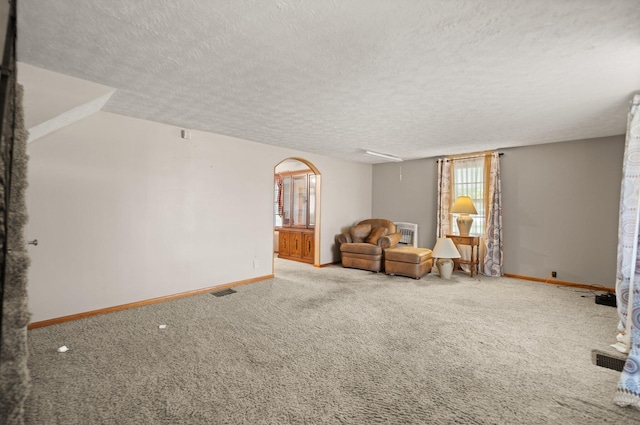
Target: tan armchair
[{"x": 362, "y": 247}]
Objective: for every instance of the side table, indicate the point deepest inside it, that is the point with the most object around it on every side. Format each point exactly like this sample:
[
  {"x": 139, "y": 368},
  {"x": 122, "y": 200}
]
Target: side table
[{"x": 474, "y": 242}]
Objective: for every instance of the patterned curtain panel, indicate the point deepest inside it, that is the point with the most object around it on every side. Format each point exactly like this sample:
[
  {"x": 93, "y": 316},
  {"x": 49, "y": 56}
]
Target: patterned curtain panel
[
  {"x": 279, "y": 193},
  {"x": 444, "y": 198},
  {"x": 493, "y": 234},
  {"x": 628, "y": 272}
]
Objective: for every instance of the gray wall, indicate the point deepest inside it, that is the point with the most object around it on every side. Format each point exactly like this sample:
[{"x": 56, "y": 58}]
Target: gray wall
[
  {"x": 560, "y": 206},
  {"x": 410, "y": 198}
]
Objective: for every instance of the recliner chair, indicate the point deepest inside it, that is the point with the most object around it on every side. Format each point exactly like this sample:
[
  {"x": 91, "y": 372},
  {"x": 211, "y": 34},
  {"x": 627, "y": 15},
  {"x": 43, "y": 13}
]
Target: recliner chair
[{"x": 362, "y": 247}]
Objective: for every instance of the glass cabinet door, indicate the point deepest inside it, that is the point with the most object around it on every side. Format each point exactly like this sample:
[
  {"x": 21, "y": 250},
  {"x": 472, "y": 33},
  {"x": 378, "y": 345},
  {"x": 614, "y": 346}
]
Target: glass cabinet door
[
  {"x": 286, "y": 205},
  {"x": 299, "y": 213},
  {"x": 294, "y": 202},
  {"x": 312, "y": 200}
]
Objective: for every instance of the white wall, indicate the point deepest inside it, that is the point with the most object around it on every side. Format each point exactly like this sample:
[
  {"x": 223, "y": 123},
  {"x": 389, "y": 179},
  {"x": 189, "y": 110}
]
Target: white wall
[{"x": 125, "y": 210}]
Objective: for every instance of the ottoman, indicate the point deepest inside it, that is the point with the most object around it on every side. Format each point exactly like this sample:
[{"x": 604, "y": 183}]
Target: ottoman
[{"x": 408, "y": 261}]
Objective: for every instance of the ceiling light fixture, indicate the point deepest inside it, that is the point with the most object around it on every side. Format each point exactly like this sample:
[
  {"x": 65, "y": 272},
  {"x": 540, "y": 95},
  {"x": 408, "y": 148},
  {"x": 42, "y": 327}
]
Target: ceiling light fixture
[{"x": 384, "y": 155}]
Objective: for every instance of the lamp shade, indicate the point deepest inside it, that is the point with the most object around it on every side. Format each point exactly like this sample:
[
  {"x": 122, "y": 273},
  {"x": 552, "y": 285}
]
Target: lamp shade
[
  {"x": 445, "y": 248},
  {"x": 463, "y": 205}
]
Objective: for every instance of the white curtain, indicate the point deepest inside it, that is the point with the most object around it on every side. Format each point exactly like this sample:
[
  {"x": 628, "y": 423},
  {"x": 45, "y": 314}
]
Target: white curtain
[{"x": 628, "y": 270}]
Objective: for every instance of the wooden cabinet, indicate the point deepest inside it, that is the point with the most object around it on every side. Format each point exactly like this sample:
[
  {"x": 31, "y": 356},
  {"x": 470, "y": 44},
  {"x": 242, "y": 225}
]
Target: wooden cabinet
[
  {"x": 296, "y": 244},
  {"x": 307, "y": 247},
  {"x": 295, "y": 199},
  {"x": 294, "y": 209},
  {"x": 474, "y": 243},
  {"x": 283, "y": 243}
]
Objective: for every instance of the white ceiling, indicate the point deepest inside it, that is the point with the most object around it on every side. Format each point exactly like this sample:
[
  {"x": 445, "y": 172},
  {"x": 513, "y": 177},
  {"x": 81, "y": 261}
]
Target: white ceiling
[{"x": 412, "y": 78}]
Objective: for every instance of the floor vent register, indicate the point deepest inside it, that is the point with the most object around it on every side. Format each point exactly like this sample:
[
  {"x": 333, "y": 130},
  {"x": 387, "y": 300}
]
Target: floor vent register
[
  {"x": 223, "y": 292},
  {"x": 608, "y": 360}
]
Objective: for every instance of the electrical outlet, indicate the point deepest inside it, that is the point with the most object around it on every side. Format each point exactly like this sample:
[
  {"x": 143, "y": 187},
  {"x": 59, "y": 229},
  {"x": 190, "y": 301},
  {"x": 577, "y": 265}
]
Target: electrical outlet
[
  {"x": 554, "y": 274},
  {"x": 255, "y": 263}
]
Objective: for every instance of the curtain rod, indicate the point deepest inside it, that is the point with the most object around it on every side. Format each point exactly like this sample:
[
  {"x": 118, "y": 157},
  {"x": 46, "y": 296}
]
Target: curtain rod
[{"x": 467, "y": 157}]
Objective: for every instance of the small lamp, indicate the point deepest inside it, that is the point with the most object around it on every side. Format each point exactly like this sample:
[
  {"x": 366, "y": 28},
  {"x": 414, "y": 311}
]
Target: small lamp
[
  {"x": 444, "y": 251},
  {"x": 464, "y": 206}
]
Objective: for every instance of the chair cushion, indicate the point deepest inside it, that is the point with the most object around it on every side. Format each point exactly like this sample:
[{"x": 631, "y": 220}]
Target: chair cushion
[
  {"x": 408, "y": 254},
  {"x": 381, "y": 222},
  {"x": 376, "y": 234},
  {"x": 360, "y": 232},
  {"x": 361, "y": 248}
]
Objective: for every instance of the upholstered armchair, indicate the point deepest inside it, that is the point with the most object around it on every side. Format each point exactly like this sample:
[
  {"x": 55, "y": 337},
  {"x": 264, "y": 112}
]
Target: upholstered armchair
[{"x": 363, "y": 245}]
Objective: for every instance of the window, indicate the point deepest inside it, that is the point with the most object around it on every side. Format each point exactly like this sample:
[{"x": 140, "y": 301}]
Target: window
[
  {"x": 478, "y": 177},
  {"x": 468, "y": 177}
]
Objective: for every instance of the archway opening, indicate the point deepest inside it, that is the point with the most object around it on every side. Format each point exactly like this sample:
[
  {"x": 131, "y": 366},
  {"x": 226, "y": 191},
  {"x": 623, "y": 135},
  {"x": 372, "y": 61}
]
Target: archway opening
[{"x": 296, "y": 212}]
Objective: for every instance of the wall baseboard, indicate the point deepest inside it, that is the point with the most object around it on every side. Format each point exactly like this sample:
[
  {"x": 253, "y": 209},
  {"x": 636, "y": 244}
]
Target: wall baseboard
[
  {"x": 328, "y": 264},
  {"x": 54, "y": 321},
  {"x": 77, "y": 316},
  {"x": 552, "y": 281}
]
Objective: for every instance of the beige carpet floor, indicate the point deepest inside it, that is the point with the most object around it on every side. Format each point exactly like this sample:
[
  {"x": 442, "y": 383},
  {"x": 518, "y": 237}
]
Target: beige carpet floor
[{"x": 336, "y": 346}]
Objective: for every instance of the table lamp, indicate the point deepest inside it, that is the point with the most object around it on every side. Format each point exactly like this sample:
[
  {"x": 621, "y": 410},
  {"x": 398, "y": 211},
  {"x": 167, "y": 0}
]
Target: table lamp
[
  {"x": 444, "y": 251},
  {"x": 463, "y": 206}
]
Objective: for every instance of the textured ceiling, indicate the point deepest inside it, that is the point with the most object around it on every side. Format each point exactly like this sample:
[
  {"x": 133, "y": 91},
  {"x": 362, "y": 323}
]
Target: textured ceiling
[{"x": 410, "y": 78}]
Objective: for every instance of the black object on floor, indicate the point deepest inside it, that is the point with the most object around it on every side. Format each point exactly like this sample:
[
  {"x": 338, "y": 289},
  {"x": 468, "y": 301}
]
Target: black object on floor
[
  {"x": 223, "y": 292},
  {"x": 606, "y": 299},
  {"x": 605, "y": 360}
]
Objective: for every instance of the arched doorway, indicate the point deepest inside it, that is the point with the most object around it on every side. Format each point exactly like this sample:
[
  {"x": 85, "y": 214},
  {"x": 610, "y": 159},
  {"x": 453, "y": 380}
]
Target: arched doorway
[{"x": 297, "y": 221}]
